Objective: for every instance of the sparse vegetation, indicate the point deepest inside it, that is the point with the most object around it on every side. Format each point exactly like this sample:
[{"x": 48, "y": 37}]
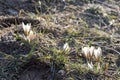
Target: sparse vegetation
[{"x": 59, "y": 40}]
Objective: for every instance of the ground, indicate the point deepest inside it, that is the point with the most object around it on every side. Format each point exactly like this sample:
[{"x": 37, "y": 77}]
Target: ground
[{"x": 55, "y": 22}]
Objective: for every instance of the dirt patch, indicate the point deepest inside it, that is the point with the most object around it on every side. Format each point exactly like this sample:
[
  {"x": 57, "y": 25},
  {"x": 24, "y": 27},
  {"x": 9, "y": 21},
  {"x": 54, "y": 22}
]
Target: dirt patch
[
  {"x": 35, "y": 71},
  {"x": 12, "y": 7}
]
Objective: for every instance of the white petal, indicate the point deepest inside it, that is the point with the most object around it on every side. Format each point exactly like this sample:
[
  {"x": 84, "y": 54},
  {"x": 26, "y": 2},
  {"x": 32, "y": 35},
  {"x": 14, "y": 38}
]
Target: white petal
[
  {"x": 92, "y": 50},
  {"x": 23, "y": 26},
  {"x": 28, "y": 27},
  {"x": 85, "y": 51},
  {"x": 66, "y": 47},
  {"x": 90, "y": 65},
  {"x": 31, "y": 36},
  {"x": 99, "y": 51},
  {"x": 96, "y": 53}
]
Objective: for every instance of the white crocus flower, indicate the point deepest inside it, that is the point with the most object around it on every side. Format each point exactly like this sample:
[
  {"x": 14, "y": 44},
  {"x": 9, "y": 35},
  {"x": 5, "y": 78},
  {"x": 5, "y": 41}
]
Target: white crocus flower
[
  {"x": 98, "y": 53},
  {"x": 26, "y": 28},
  {"x": 90, "y": 65},
  {"x": 31, "y": 36},
  {"x": 85, "y": 51},
  {"x": 66, "y": 47},
  {"x": 91, "y": 49}
]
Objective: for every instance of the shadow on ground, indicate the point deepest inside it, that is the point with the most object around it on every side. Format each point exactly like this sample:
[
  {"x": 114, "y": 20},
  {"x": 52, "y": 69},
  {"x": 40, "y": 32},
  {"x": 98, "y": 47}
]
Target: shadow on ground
[{"x": 35, "y": 70}]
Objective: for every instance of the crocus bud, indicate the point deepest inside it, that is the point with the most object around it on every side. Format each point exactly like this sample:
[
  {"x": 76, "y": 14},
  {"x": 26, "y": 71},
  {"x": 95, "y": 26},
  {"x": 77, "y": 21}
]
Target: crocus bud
[
  {"x": 90, "y": 65},
  {"x": 31, "y": 36},
  {"x": 91, "y": 49},
  {"x": 98, "y": 53},
  {"x": 85, "y": 51},
  {"x": 26, "y": 28},
  {"x": 66, "y": 47}
]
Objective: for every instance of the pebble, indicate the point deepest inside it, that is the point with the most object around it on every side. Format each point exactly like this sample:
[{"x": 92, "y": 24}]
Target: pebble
[{"x": 62, "y": 72}]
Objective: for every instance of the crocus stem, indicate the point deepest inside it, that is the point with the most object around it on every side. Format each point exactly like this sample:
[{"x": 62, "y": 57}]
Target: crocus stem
[{"x": 98, "y": 66}]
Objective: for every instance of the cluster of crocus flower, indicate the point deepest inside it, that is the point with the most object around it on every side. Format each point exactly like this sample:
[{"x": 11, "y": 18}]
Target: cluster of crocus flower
[
  {"x": 92, "y": 54},
  {"x": 28, "y": 33}
]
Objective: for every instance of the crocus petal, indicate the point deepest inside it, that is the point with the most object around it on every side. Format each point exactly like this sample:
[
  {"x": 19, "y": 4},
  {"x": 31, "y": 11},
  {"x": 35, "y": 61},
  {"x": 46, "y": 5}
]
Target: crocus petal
[
  {"x": 85, "y": 51},
  {"x": 26, "y": 28},
  {"x": 98, "y": 53},
  {"x": 23, "y": 26},
  {"x": 91, "y": 50},
  {"x": 66, "y": 47},
  {"x": 31, "y": 36},
  {"x": 90, "y": 66}
]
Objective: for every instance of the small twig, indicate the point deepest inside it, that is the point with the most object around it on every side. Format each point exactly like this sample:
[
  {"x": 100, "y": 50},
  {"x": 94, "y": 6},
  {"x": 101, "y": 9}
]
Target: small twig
[
  {"x": 110, "y": 48},
  {"x": 106, "y": 4}
]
